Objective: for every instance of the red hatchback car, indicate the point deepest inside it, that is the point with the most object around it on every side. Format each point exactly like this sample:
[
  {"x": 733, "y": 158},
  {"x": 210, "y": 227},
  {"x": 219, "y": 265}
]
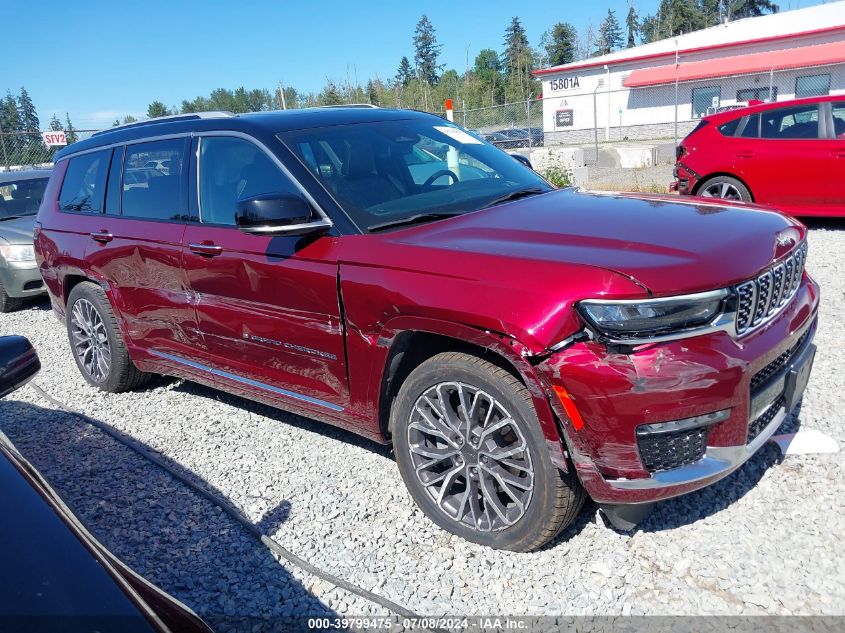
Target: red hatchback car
[
  {"x": 519, "y": 346},
  {"x": 789, "y": 154}
]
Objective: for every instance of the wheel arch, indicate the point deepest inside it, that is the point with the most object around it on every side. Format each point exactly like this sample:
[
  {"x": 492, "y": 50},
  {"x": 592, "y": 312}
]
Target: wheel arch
[
  {"x": 417, "y": 341},
  {"x": 71, "y": 281},
  {"x": 728, "y": 174}
]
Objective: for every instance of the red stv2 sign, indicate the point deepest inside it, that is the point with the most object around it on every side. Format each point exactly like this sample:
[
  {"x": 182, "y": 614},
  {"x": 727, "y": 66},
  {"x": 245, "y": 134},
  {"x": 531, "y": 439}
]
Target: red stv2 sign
[{"x": 54, "y": 138}]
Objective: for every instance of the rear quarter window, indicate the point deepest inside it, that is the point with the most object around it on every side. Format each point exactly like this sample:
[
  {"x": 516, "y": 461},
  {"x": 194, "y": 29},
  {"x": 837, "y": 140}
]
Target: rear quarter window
[
  {"x": 84, "y": 185},
  {"x": 729, "y": 128}
]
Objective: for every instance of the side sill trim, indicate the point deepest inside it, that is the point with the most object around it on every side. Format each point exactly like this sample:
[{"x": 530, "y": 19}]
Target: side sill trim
[{"x": 246, "y": 381}]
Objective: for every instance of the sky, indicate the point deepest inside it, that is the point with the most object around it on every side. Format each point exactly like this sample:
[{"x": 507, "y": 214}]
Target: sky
[{"x": 101, "y": 60}]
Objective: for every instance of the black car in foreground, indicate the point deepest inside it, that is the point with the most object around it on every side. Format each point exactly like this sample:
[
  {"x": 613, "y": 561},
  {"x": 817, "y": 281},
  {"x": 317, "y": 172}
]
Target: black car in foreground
[{"x": 54, "y": 575}]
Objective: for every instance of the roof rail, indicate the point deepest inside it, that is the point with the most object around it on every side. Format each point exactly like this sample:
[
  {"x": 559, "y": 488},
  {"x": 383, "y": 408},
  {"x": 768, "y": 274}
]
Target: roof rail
[
  {"x": 350, "y": 105},
  {"x": 193, "y": 116}
]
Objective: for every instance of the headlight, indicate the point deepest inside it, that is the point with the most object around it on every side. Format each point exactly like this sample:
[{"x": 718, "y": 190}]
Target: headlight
[
  {"x": 18, "y": 252},
  {"x": 648, "y": 318}
]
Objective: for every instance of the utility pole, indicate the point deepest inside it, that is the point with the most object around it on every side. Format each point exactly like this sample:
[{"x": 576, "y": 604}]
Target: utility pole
[
  {"x": 282, "y": 96},
  {"x": 5, "y": 155}
]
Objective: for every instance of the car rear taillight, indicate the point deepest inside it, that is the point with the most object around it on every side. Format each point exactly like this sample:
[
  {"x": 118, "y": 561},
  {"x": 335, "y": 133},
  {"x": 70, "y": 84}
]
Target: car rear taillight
[{"x": 680, "y": 152}]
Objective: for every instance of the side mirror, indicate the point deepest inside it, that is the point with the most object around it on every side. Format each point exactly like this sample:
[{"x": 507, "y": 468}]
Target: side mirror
[
  {"x": 522, "y": 159},
  {"x": 277, "y": 214},
  {"x": 18, "y": 363}
]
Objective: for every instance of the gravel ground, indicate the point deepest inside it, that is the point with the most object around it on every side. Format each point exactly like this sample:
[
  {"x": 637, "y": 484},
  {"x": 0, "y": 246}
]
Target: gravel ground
[
  {"x": 654, "y": 179},
  {"x": 768, "y": 539}
]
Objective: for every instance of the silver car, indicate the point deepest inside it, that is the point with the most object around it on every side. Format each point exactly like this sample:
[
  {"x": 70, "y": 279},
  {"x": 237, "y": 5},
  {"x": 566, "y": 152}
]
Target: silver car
[{"x": 20, "y": 197}]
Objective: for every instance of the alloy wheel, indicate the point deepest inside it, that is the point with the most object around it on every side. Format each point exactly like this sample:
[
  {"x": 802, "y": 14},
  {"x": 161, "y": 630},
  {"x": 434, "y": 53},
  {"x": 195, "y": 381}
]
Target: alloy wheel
[
  {"x": 90, "y": 340},
  {"x": 721, "y": 189},
  {"x": 470, "y": 456}
]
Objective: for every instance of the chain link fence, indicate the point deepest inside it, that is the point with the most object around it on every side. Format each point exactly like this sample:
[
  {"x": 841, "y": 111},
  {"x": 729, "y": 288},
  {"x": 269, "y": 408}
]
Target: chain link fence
[
  {"x": 660, "y": 115},
  {"x": 27, "y": 150}
]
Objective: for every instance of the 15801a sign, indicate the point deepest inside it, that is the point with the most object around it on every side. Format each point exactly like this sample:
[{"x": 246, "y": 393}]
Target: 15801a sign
[{"x": 564, "y": 83}]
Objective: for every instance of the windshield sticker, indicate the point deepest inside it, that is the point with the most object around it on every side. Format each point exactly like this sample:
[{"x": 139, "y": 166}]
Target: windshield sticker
[{"x": 457, "y": 134}]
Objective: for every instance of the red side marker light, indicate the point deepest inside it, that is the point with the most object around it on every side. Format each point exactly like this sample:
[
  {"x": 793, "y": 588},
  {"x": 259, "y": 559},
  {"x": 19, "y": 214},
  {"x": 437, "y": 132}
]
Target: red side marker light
[{"x": 569, "y": 407}]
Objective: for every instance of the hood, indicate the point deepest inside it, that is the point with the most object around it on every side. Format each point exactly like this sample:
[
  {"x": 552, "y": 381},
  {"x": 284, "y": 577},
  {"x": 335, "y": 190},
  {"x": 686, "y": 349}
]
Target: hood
[
  {"x": 18, "y": 230},
  {"x": 670, "y": 246}
]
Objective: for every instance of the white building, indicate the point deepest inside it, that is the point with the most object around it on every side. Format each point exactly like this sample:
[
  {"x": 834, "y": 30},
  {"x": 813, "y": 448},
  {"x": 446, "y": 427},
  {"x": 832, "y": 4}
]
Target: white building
[{"x": 632, "y": 93}]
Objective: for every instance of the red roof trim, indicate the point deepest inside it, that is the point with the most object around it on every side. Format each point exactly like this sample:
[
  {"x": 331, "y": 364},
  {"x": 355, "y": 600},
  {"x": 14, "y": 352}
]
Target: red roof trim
[
  {"x": 698, "y": 49},
  {"x": 785, "y": 58}
]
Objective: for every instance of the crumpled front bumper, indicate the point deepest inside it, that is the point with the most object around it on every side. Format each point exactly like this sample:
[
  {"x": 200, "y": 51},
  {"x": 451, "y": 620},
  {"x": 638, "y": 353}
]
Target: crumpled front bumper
[{"x": 617, "y": 393}]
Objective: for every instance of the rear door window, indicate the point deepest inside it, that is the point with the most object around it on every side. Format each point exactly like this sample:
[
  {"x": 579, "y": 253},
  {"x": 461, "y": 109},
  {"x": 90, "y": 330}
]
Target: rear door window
[
  {"x": 799, "y": 122},
  {"x": 154, "y": 192},
  {"x": 84, "y": 185}
]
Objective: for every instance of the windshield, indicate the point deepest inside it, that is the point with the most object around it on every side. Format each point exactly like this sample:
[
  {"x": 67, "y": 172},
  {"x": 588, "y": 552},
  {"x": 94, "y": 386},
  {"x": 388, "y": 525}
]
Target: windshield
[
  {"x": 385, "y": 172},
  {"x": 21, "y": 197}
]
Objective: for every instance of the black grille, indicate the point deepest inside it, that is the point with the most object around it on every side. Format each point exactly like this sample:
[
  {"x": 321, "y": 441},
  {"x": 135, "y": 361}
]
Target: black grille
[
  {"x": 32, "y": 285},
  {"x": 761, "y": 298},
  {"x": 757, "y": 426},
  {"x": 669, "y": 450},
  {"x": 776, "y": 365}
]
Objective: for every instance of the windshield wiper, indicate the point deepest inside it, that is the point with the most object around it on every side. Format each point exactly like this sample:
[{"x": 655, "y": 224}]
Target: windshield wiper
[
  {"x": 10, "y": 217},
  {"x": 516, "y": 195},
  {"x": 411, "y": 219}
]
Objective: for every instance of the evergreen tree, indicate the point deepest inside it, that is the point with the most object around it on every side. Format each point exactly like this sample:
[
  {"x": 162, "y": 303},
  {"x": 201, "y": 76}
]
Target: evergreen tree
[
  {"x": 487, "y": 61},
  {"x": 751, "y": 8},
  {"x": 633, "y": 25},
  {"x": 29, "y": 119},
  {"x": 562, "y": 45},
  {"x": 610, "y": 34},
  {"x": 673, "y": 17},
  {"x": 516, "y": 44},
  {"x": 70, "y": 131},
  {"x": 157, "y": 109},
  {"x": 426, "y": 51},
  {"x": 487, "y": 85},
  {"x": 292, "y": 98},
  {"x": 10, "y": 118},
  {"x": 330, "y": 95},
  {"x": 115, "y": 123},
  {"x": 129, "y": 119},
  {"x": 372, "y": 92},
  {"x": 405, "y": 73},
  {"x": 55, "y": 124}
]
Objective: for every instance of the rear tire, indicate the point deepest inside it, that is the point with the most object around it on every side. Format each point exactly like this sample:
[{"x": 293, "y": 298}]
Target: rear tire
[
  {"x": 7, "y": 303},
  {"x": 471, "y": 452},
  {"x": 726, "y": 188},
  {"x": 97, "y": 343}
]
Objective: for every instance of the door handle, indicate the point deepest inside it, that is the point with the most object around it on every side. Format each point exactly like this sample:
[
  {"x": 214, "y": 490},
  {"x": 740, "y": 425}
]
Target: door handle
[
  {"x": 206, "y": 250},
  {"x": 103, "y": 237},
  {"x": 747, "y": 154},
  {"x": 839, "y": 153}
]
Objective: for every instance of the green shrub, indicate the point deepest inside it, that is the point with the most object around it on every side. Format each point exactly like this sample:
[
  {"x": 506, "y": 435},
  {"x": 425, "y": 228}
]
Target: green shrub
[{"x": 558, "y": 176}]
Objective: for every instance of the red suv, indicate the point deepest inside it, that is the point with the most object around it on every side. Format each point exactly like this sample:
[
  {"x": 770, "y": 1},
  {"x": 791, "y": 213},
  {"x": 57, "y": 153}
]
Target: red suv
[
  {"x": 789, "y": 154},
  {"x": 519, "y": 346}
]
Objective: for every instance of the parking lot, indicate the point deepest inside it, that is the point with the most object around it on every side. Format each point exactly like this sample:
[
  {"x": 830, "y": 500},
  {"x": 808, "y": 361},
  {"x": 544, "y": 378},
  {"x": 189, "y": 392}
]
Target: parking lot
[{"x": 768, "y": 539}]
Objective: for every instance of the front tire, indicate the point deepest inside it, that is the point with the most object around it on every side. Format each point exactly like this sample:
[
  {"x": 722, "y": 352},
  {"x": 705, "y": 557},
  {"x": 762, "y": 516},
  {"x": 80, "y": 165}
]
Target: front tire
[
  {"x": 7, "y": 303},
  {"x": 97, "y": 343},
  {"x": 471, "y": 452}
]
